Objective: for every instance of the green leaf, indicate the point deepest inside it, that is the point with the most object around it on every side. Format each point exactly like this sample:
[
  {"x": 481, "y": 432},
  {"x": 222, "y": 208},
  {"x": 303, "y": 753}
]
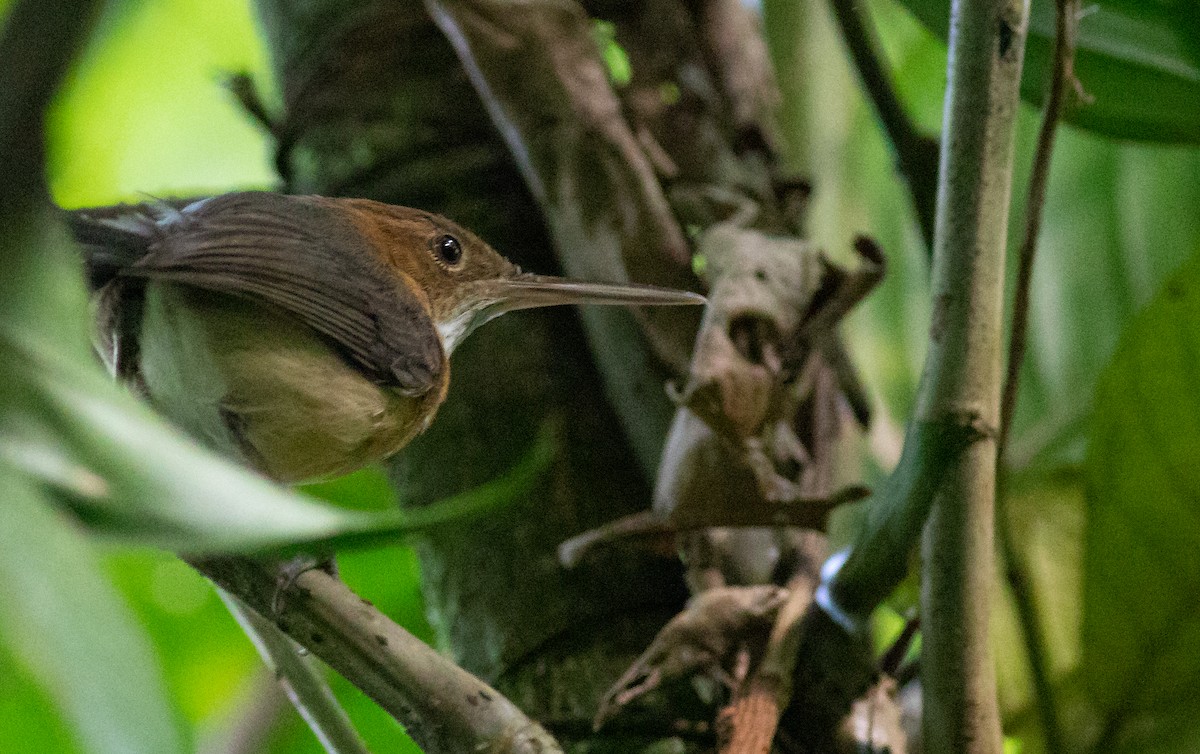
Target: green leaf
[
  {"x": 1141, "y": 631},
  {"x": 1139, "y": 62},
  {"x": 65, "y": 622},
  {"x": 616, "y": 61}
]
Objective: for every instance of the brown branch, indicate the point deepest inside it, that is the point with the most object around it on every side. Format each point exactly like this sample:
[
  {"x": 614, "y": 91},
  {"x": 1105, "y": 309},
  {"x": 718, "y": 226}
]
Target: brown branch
[
  {"x": 916, "y": 153},
  {"x": 1063, "y": 74},
  {"x": 444, "y": 708},
  {"x": 748, "y": 724}
]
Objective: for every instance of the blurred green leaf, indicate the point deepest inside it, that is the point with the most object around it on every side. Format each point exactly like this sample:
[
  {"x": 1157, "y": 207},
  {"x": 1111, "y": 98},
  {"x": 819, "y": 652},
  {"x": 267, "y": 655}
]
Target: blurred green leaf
[
  {"x": 1139, "y": 62},
  {"x": 66, "y": 623},
  {"x": 365, "y": 489},
  {"x": 30, "y": 722},
  {"x": 497, "y": 494},
  {"x": 616, "y": 61},
  {"x": 127, "y": 475},
  {"x": 1141, "y": 631}
]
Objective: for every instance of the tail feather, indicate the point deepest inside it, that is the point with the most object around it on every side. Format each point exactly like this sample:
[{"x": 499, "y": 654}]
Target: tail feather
[{"x": 111, "y": 239}]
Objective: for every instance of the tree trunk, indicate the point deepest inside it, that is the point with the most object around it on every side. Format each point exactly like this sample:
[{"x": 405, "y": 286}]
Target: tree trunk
[{"x": 377, "y": 105}]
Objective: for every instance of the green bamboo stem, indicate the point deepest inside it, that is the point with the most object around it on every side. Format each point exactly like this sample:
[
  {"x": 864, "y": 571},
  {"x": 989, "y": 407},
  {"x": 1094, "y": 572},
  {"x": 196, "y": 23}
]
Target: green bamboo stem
[{"x": 962, "y": 373}]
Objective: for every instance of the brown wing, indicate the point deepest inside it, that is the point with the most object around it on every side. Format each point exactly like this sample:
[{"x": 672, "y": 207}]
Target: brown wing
[{"x": 297, "y": 253}]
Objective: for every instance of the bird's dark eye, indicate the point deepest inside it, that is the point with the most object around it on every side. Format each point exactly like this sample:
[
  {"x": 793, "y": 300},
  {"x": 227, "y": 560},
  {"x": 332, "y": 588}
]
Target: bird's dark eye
[{"x": 448, "y": 249}]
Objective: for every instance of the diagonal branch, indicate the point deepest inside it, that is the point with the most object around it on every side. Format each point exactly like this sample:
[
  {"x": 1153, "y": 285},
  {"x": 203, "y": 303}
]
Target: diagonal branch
[
  {"x": 916, "y": 154},
  {"x": 1063, "y": 75},
  {"x": 753, "y": 716},
  {"x": 445, "y": 709}
]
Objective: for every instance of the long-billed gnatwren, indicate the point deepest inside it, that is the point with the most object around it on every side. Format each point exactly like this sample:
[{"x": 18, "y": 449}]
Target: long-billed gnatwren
[{"x": 308, "y": 336}]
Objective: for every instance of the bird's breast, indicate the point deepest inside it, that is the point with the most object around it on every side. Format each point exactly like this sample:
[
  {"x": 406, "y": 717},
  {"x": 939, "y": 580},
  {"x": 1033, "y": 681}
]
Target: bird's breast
[{"x": 251, "y": 380}]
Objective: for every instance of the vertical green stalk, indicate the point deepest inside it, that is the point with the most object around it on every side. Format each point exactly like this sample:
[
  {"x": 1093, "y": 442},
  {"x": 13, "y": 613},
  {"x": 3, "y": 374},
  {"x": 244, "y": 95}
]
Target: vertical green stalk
[
  {"x": 962, "y": 371},
  {"x": 1062, "y": 77}
]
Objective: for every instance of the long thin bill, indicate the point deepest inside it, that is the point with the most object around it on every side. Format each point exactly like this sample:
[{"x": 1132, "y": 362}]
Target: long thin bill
[{"x": 527, "y": 291}]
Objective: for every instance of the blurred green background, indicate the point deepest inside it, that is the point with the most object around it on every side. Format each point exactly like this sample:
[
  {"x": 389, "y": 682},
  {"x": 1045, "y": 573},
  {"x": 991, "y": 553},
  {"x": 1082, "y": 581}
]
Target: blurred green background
[{"x": 144, "y": 114}]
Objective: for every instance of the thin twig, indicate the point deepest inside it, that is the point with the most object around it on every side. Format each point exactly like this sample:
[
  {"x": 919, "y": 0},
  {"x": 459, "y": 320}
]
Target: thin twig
[
  {"x": 259, "y": 711},
  {"x": 306, "y": 689},
  {"x": 916, "y": 153},
  {"x": 808, "y": 513},
  {"x": 1063, "y": 74},
  {"x": 1025, "y": 602},
  {"x": 893, "y": 658}
]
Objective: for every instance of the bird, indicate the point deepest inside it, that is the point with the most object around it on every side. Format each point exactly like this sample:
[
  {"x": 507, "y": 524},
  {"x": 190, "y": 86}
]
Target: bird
[{"x": 306, "y": 336}]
